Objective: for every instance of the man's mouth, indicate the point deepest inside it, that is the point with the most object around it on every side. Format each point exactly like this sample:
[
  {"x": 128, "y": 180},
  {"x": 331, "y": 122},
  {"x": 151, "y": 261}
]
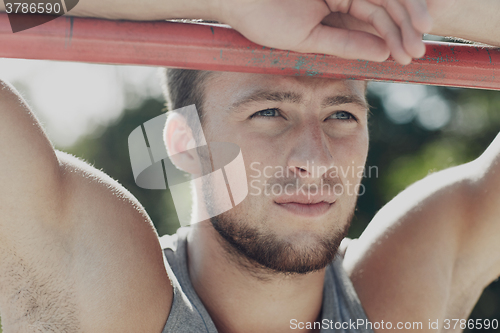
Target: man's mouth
[
  {"x": 309, "y": 210},
  {"x": 310, "y": 206}
]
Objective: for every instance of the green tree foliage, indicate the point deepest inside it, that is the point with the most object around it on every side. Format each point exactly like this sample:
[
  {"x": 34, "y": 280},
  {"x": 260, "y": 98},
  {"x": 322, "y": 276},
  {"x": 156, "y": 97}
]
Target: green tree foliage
[{"x": 107, "y": 149}]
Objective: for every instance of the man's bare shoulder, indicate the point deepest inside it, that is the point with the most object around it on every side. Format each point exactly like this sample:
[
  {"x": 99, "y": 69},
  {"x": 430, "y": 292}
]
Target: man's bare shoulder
[
  {"x": 87, "y": 188},
  {"x": 98, "y": 268},
  {"x": 403, "y": 265}
]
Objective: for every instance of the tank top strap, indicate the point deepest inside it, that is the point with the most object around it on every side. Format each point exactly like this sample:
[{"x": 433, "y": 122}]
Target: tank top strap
[
  {"x": 341, "y": 305},
  {"x": 187, "y": 314}
]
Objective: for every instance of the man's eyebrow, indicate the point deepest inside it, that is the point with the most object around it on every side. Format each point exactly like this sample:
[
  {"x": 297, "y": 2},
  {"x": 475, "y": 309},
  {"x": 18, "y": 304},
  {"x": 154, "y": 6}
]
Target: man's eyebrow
[
  {"x": 344, "y": 99},
  {"x": 266, "y": 96},
  {"x": 292, "y": 97}
]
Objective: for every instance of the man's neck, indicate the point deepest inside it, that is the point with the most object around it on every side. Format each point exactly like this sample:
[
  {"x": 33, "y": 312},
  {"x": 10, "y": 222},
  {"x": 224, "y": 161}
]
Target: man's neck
[{"x": 239, "y": 300}]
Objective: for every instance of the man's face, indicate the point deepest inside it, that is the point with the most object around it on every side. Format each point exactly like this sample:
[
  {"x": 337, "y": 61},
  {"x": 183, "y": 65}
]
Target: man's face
[{"x": 304, "y": 142}]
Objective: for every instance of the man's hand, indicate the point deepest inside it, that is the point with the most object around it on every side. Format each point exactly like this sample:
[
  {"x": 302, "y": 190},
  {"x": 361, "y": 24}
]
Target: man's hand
[{"x": 355, "y": 29}]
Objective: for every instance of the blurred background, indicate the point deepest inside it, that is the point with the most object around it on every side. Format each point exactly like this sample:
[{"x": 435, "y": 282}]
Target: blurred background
[{"x": 89, "y": 111}]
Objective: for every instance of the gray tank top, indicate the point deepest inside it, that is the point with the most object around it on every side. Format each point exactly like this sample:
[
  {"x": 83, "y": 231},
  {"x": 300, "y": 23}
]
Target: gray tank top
[{"x": 341, "y": 306}]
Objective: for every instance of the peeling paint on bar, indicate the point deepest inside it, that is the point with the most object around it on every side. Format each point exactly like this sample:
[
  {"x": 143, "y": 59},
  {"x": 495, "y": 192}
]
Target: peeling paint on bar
[{"x": 212, "y": 47}]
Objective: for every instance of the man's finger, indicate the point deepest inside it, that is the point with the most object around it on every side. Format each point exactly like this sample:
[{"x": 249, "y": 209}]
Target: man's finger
[
  {"x": 385, "y": 26},
  {"x": 412, "y": 39},
  {"x": 419, "y": 14},
  {"x": 348, "y": 44}
]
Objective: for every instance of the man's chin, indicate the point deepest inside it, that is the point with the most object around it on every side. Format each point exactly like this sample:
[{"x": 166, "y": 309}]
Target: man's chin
[{"x": 267, "y": 252}]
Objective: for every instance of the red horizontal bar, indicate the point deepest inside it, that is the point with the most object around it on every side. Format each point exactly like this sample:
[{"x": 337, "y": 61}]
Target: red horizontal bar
[{"x": 207, "y": 47}]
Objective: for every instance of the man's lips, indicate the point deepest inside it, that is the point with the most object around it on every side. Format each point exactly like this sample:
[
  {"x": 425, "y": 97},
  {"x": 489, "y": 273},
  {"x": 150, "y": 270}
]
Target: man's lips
[
  {"x": 305, "y": 199},
  {"x": 309, "y": 206},
  {"x": 309, "y": 210}
]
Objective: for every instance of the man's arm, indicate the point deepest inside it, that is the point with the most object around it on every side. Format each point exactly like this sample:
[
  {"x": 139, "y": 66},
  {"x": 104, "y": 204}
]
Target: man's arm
[
  {"x": 77, "y": 251},
  {"x": 147, "y": 10},
  {"x": 357, "y": 29},
  {"x": 295, "y": 24},
  {"x": 29, "y": 169},
  {"x": 471, "y": 20},
  {"x": 479, "y": 251},
  {"x": 433, "y": 248}
]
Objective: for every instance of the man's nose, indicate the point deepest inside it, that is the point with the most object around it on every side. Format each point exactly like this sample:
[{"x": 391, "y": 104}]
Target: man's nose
[{"x": 310, "y": 155}]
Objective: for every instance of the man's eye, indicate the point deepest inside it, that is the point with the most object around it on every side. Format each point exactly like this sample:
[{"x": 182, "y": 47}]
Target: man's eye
[
  {"x": 268, "y": 113},
  {"x": 343, "y": 115}
]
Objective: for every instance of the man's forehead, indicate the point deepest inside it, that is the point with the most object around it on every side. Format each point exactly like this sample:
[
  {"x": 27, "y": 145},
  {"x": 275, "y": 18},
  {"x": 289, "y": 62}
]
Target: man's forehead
[
  {"x": 233, "y": 88},
  {"x": 266, "y": 80}
]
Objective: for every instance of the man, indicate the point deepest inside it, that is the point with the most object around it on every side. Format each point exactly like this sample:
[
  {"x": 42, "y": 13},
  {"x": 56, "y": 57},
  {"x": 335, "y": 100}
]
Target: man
[{"x": 78, "y": 252}]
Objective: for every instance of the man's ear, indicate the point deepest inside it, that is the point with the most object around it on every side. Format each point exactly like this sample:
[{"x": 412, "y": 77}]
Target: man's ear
[{"x": 181, "y": 145}]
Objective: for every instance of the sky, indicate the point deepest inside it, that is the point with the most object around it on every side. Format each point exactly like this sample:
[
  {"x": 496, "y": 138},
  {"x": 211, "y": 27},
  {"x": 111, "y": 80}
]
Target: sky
[{"x": 71, "y": 99}]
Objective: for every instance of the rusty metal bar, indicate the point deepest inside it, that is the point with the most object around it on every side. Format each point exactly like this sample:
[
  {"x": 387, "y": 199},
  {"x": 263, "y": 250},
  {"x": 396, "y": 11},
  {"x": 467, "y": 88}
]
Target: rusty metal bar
[{"x": 207, "y": 47}]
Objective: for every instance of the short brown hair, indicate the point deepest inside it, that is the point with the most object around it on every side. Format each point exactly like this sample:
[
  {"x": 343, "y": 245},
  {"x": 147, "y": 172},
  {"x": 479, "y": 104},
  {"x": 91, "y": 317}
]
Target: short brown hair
[{"x": 184, "y": 87}]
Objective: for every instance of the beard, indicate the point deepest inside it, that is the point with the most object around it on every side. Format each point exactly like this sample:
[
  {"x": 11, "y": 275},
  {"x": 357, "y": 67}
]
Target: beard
[
  {"x": 266, "y": 252},
  {"x": 263, "y": 252}
]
